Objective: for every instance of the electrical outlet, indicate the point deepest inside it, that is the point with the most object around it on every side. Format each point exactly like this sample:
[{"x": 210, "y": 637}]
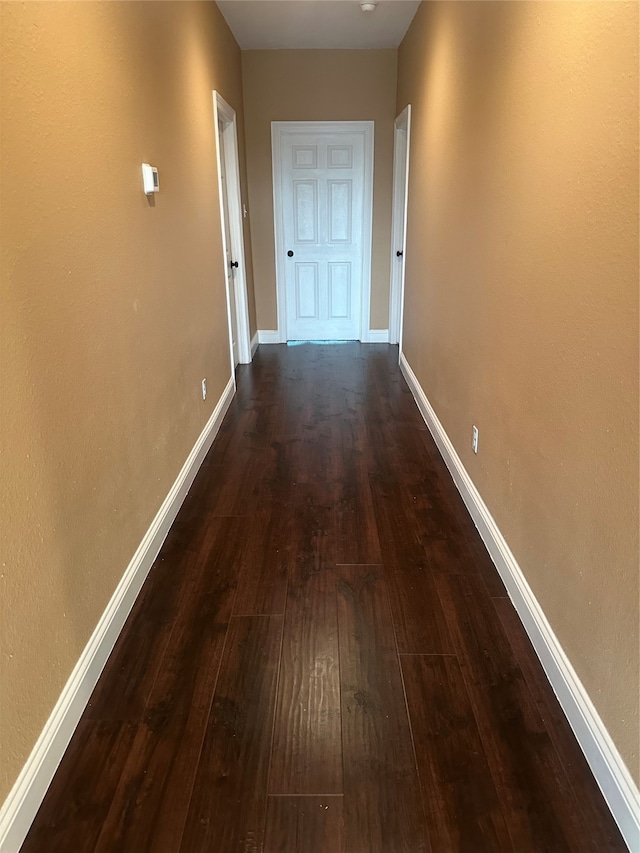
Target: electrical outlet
[
  {"x": 474, "y": 439},
  {"x": 204, "y": 389}
]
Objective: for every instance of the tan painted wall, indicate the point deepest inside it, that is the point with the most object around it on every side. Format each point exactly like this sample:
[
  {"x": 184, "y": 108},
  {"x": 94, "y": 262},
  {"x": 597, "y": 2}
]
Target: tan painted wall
[
  {"x": 112, "y": 311},
  {"x": 317, "y": 85},
  {"x": 522, "y": 299}
]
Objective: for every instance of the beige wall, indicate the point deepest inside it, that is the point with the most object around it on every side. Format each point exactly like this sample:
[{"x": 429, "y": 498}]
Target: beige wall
[
  {"x": 317, "y": 85},
  {"x": 112, "y": 311},
  {"x": 522, "y": 299}
]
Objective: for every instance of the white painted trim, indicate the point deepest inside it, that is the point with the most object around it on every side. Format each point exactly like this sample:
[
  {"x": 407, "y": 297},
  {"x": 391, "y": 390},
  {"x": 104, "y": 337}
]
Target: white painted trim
[
  {"x": 272, "y": 336},
  {"x": 367, "y": 129},
  {"x": 23, "y": 802},
  {"x": 269, "y": 336},
  {"x": 278, "y": 231},
  {"x": 400, "y": 188},
  {"x": 229, "y": 148},
  {"x": 254, "y": 344},
  {"x": 367, "y": 225},
  {"x": 607, "y": 766},
  {"x": 378, "y": 336}
]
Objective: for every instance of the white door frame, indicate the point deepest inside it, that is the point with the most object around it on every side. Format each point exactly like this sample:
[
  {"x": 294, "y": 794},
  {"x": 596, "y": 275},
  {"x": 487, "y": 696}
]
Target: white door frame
[
  {"x": 366, "y": 128},
  {"x": 227, "y": 146},
  {"x": 401, "y": 148}
]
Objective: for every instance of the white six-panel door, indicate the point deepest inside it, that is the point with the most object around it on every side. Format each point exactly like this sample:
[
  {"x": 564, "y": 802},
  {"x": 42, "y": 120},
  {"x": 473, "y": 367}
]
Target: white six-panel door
[{"x": 322, "y": 217}]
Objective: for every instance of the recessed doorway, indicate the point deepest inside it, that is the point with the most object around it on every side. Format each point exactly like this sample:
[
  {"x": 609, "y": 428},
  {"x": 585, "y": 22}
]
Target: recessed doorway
[{"x": 323, "y": 193}]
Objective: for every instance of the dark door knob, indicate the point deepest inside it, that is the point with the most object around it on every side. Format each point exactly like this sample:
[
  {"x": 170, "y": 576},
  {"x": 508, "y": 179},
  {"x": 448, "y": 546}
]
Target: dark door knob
[
  {"x": 290, "y": 253},
  {"x": 234, "y": 264},
  {"x": 398, "y": 254}
]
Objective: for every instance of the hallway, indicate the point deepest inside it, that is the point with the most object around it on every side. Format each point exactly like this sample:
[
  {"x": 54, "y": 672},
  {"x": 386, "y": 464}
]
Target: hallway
[{"x": 323, "y": 658}]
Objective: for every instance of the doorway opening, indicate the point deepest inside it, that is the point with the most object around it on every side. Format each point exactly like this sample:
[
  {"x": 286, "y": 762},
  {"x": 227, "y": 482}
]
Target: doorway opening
[
  {"x": 323, "y": 211},
  {"x": 231, "y": 216}
]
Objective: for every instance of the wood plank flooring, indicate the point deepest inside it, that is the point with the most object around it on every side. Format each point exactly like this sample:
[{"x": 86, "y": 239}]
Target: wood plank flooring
[{"x": 323, "y": 658}]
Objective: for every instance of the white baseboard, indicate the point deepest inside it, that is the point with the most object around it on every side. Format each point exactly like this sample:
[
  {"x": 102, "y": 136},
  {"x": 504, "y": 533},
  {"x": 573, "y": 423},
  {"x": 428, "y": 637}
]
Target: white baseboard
[
  {"x": 23, "y": 802},
  {"x": 254, "y": 343},
  {"x": 607, "y": 766},
  {"x": 269, "y": 336},
  {"x": 378, "y": 336},
  {"x": 374, "y": 336}
]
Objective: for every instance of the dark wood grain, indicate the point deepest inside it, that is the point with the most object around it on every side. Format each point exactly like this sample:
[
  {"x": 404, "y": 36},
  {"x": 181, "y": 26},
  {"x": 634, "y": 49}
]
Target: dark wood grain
[
  {"x": 529, "y": 777},
  {"x": 599, "y": 832},
  {"x": 314, "y": 454},
  {"x": 307, "y": 741},
  {"x": 228, "y": 801},
  {"x": 304, "y": 825},
  {"x": 356, "y": 530},
  {"x": 418, "y": 618},
  {"x": 71, "y": 817},
  {"x": 232, "y": 488},
  {"x": 280, "y": 468},
  {"x": 262, "y": 586},
  {"x": 399, "y": 543},
  {"x": 463, "y": 809},
  {"x": 314, "y": 539},
  {"x": 255, "y": 700},
  {"x": 151, "y": 801},
  {"x": 123, "y": 690},
  {"x": 383, "y": 812}
]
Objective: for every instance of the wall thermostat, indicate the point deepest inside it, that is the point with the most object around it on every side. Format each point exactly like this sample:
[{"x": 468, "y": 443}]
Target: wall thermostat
[{"x": 150, "y": 182}]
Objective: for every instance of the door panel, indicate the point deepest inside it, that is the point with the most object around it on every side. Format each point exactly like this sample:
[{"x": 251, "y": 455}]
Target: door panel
[
  {"x": 305, "y": 156},
  {"x": 323, "y": 195},
  {"x": 339, "y": 290},
  {"x": 339, "y": 212},
  {"x": 305, "y": 219},
  {"x": 306, "y": 291},
  {"x": 340, "y": 156}
]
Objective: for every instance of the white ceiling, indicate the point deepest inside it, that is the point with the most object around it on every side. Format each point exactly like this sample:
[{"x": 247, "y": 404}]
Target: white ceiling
[{"x": 314, "y": 24}]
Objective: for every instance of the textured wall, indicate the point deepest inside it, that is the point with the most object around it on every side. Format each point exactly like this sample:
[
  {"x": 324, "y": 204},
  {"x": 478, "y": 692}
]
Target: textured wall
[
  {"x": 112, "y": 311},
  {"x": 318, "y": 85},
  {"x": 522, "y": 299}
]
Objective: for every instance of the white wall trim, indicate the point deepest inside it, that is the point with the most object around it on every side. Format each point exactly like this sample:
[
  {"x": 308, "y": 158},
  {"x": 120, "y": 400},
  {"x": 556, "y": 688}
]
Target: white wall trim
[
  {"x": 254, "y": 343},
  {"x": 272, "y": 336},
  {"x": 607, "y": 766},
  {"x": 367, "y": 233},
  {"x": 367, "y": 129},
  {"x": 23, "y": 802},
  {"x": 378, "y": 336},
  {"x": 269, "y": 336}
]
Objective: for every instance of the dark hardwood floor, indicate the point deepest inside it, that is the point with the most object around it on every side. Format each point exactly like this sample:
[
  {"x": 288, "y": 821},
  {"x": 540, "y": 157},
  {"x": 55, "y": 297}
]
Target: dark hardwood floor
[{"x": 323, "y": 658}]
